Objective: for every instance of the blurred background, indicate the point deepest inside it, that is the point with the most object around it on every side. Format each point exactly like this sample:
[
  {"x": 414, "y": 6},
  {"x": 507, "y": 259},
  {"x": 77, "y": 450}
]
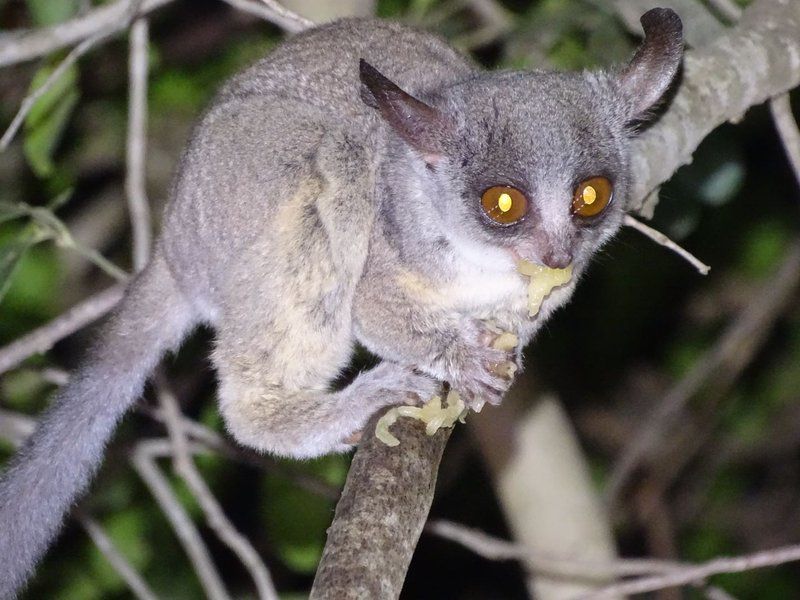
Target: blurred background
[{"x": 643, "y": 329}]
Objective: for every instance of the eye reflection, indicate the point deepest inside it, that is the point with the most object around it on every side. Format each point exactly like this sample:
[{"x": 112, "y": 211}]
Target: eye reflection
[
  {"x": 591, "y": 197},
  {"x": 504, "y": 204}
]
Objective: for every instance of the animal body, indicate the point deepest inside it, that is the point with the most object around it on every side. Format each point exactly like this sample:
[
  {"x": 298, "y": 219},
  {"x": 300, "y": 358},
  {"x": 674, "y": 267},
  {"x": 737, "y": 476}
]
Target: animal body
[{"x": 364, "y": 183}]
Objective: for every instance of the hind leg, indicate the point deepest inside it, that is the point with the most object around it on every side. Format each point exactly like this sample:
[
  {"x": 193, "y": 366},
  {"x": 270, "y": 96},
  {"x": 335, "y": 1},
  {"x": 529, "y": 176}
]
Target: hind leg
[
  {"x": 305, "y": 422},
  {"x": 285, "y": 332},
  {"x": 274, "y": 377}
]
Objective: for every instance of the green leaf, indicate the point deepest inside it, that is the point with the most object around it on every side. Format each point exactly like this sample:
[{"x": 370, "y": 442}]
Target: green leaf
[
  {"x": 48, "y": 118},
  {"x": 50, "y": 12},
  {"x": 11, "y": 255}
]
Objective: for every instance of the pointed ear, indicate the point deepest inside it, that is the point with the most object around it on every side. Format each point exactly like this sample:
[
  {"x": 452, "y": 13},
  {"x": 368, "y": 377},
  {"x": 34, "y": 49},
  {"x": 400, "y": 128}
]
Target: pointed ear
[
  {"x": 649, "y": 74},
  {"x": 423, "y": 127}
]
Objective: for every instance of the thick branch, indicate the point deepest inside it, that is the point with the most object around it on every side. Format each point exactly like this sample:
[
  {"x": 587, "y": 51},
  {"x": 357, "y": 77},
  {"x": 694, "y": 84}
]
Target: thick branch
[
  {"x": 380, "y": 515},
  {"x": 755, "y": 61}
]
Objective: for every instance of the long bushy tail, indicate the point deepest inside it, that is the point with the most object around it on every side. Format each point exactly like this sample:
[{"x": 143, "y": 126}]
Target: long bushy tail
[{"x": 56, "y": 464}]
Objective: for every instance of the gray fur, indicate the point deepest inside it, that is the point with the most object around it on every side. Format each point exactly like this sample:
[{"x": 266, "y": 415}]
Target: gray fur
[{"x": 304, "y": 220}]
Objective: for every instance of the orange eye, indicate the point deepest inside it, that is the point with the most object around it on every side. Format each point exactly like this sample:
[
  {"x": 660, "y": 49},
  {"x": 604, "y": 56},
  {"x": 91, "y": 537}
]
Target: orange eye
[
  {"x": 591, "y": 197},
  {"x": 504, "y": 204}
]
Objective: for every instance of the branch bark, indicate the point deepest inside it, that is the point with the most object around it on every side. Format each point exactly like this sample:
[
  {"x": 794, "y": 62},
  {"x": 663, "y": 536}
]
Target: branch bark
[
  {"x": 380, "y": 515},
  {"x": 748, "y": 65}
]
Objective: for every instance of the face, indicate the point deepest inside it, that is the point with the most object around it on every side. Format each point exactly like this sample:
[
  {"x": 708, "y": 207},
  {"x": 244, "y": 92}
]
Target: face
[
  {"x": 536, "y": 167},
  {"x": 530, "y": 165}
]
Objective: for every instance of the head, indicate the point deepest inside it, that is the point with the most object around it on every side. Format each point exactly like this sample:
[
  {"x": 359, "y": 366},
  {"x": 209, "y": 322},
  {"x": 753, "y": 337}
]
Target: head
[{"x": 530, "y": 165}]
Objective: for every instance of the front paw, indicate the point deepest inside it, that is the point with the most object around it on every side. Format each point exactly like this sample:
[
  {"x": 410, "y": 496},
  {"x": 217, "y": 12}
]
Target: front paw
[{"x": 481, "y": 367}]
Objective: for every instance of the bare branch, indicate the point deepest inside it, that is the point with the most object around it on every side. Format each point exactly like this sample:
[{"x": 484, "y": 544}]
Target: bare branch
[
  {"x": 364, "y": 556},
  {"x": 135, "y": 177},
  {"x": 42, "y": 339},
  {"x": 492, "y": 548},
  {"x": 214, "y": 441},
  {"x": 663, "y": 240},
  {"x": 106, "y": 20},
  {"x": 115, "y": 558},
  {"x": 58, "y": 72},
  {"x": 728, "y": 9},
  {"x": 215, "y": 517},
  {"x": 15, "y": 427},
  {"x": 689, "y": 575},
  {"x": 734, "y": 348},
  {"x": 745, "y": 66},
  {"x": 272, "y": 11},
  {"x": 714, "y": 593},
  {"x": 786, "y": 125},
  {"x": 143, "y": 461}
]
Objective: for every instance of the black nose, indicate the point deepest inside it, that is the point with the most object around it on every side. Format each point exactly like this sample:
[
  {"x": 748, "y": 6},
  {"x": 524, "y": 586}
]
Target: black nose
[{"x": 557, "y": 259}]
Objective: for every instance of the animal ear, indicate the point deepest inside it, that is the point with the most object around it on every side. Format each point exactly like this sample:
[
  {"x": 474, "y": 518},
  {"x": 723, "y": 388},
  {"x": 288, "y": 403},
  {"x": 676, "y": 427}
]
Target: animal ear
[
  {"x": 423, "y": 127},
  {"x": 649, "y": 74}
]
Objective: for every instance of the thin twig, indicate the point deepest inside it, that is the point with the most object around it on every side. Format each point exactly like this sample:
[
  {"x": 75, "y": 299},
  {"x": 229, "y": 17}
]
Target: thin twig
[
  {"x": 786, "y": 125},
  {"x": 30, "y": 100},
  {"x": 217, "y": 443},
  {"x": 663, "y": 240},
  {"x": 42, "y": 339},
  {"x": 16, "y": 47},
  {"x": 727, "y": 9},
  {"x": 215, "y": 517},
  {"x": 15, "y": 427},
  {"x": 135, "y": 176},
  {"x": 285, "y": 18},
  {"x": 713, "y": 592},
  {"x": 143, "y": 461},
  {"x": 496, "y": 549},
  {"x": 689, "y": 575},
  {"x": 733, "y": 348},
  {"x": 115, "y": 557},
  {"x": 280, "y": 16}
]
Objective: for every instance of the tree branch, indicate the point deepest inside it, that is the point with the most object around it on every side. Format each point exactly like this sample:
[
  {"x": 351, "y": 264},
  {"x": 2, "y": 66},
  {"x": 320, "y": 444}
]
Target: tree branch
[
  {"x": 215, "y": 517},
  {"x": 663, "y": 240},
  {"x": 136, "y": 146},
  {"x": 689, "y": 575},
  {"x": 274, "y": 12},
  {"x": 381, "y": 514},
  {"x": 17, "y": 47},
  {"x": 115, "y": 558},
  {"x": 42, "y": 339},
  {"x": 492, "y": 548},
  {"x": 786, "y": 125},
  {"x": 746, "y": 66},
  {"x": 143, "y": 461}
]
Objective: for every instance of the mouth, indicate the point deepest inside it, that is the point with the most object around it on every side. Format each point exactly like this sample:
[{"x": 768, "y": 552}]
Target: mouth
[{"x": 543, "y": 280}]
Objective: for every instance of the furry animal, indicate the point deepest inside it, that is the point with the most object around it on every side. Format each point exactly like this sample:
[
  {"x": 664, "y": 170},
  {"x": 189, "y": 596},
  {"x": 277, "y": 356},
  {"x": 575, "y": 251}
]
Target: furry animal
[{"x": 364, "y": 183}]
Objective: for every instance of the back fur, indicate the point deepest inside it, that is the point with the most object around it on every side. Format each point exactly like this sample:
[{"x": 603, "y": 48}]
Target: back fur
[{"x": 56, "y": 464}]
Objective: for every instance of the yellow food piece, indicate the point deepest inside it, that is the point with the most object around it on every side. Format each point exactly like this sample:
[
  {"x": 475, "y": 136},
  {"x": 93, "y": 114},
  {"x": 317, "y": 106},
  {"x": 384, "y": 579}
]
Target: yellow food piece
[
  {"x": 506, "y": 341},
  {"x": 504, "y": 202},
  {"x": 543, "y": 280},
  {"x": 432, "y": 413}
]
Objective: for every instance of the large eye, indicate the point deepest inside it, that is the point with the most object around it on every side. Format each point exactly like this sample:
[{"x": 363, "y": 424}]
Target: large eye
[
  {"x": 504, "y": 204},
  {"x": 591, "y": 197}
]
